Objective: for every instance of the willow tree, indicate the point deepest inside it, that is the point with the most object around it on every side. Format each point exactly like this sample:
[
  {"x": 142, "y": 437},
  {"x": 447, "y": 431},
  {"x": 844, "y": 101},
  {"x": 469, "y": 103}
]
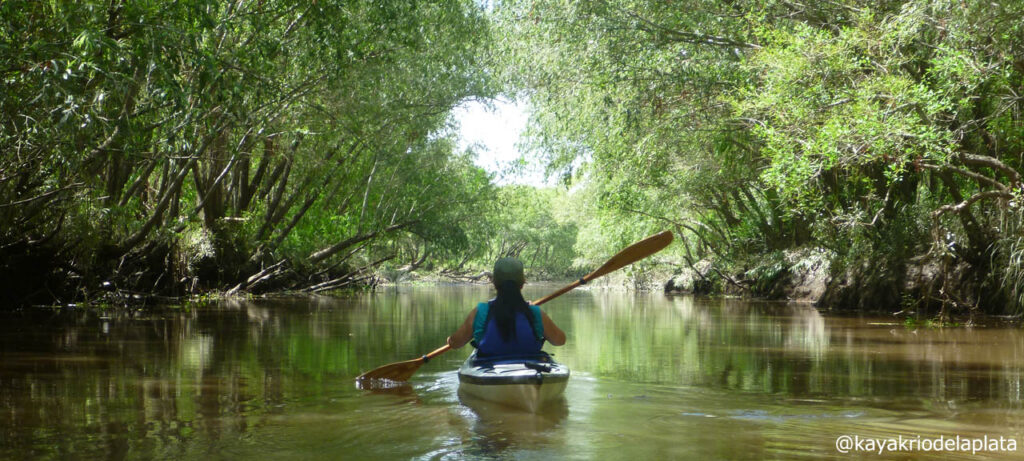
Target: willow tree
[
  {"x": 173, "y": 146},
  {"x": 879, "y": 133}
]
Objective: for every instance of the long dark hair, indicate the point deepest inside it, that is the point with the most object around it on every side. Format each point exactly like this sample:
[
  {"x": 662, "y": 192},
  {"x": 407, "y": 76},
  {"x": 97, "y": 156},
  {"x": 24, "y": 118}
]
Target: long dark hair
[{"x": 506, "y": 304}]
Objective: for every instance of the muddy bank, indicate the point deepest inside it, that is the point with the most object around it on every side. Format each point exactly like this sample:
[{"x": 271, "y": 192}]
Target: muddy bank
[{"x": 921, "y": 285}]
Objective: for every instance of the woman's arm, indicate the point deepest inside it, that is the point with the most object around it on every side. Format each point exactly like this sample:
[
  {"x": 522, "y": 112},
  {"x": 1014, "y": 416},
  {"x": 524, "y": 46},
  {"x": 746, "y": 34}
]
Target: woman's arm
[
  {"x": 552, "y": 333},
  {"x": 465, "y": 332}
]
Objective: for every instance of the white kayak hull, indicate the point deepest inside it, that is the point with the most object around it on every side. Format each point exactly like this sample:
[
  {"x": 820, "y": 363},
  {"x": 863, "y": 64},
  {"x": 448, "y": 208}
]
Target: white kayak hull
[{"x": 524, "y": 384}]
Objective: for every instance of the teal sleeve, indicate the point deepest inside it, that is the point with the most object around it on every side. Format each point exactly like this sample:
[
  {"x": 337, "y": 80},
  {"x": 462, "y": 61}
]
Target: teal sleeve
[
  {"x": 478, "y": 321},
  {"x": 538, "y": 324}
]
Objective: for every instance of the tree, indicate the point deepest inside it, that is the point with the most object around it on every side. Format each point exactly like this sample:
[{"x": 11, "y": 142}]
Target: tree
[
  {"x": 168, "y": 147},
  {"x": 878, "y": 133}
]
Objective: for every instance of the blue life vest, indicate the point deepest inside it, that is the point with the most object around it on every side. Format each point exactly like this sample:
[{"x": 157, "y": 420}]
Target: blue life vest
[{"x": 488, "y": 341}]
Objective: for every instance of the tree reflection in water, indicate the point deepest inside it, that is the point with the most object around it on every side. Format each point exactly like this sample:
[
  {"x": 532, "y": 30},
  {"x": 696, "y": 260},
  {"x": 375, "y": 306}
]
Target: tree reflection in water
[{"x": 276, "y": 376}]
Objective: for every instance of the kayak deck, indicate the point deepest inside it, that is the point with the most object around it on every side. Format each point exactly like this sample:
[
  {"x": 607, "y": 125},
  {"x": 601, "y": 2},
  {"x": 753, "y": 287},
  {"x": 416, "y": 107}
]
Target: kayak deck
[{"x": 521, "y": 382}]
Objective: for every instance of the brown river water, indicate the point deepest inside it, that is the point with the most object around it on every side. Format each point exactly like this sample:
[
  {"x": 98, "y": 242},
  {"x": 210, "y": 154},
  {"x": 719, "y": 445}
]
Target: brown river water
[{"x": 654, "y": 377}]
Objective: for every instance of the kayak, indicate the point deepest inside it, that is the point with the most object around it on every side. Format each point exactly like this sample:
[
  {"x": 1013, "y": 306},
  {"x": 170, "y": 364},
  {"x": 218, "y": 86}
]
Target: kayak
[{"x": 526, "y": 383}]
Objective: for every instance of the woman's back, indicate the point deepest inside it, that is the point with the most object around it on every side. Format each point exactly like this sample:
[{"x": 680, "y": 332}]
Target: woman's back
[
  {"x": 526, "y": 337},
  {"x": 508, "y": 324}
]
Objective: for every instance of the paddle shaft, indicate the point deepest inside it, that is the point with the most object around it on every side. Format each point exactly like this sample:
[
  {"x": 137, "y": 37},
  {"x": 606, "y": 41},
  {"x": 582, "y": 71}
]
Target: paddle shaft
[
  {"x": 435, "y": 353},
  {"x": 631, "y": 254},
  {"x": 560, "y": 292}
]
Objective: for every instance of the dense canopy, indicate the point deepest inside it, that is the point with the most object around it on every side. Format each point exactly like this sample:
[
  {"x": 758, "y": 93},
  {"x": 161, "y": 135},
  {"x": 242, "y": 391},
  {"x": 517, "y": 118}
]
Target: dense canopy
[
  {"x": 177, "y": 148},
  {"x": 885, "y": 137}
]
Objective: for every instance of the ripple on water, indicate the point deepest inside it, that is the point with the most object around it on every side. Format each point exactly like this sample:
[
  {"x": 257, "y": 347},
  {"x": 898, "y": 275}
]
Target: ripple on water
[{"x": 389, "y": 426}]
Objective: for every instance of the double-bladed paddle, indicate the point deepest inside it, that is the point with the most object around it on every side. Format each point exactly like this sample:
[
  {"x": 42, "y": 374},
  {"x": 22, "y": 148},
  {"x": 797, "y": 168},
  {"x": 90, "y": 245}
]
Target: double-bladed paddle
[{"x": 402, "y": 371}]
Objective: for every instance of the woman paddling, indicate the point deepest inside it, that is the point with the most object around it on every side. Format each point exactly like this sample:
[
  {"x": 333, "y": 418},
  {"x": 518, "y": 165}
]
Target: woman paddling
[{"x": 507, "y": 325}]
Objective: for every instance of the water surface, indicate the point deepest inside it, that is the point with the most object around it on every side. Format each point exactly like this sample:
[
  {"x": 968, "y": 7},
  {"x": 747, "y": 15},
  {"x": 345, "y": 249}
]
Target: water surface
[{"x": 654, "y": 377}]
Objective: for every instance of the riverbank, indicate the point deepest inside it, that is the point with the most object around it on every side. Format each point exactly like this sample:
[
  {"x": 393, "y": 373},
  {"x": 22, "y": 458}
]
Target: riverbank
[
  {"x": 807, "y": 275},
  {"x": 920, "y": 286}
]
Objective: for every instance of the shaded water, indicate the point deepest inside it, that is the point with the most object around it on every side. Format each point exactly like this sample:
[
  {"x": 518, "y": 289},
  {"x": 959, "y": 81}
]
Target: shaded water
[{"x": 653, "y": 377}]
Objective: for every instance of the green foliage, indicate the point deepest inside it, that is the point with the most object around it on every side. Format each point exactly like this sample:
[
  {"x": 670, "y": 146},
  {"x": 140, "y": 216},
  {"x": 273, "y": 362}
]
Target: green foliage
[
  {"x": 147, "y": 137},
  {"x": 528, "y": 223},
  {"x": 299, "y": 145},
  {"x": 912, "y": 323},
  {"x": 767, "y": 273},
  {"x": 878, "y": 132}
]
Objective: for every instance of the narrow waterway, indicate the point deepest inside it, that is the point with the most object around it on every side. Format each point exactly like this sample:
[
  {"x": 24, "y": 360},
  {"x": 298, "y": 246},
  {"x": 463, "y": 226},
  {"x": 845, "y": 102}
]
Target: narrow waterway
[{"x": 654, "y": 377}]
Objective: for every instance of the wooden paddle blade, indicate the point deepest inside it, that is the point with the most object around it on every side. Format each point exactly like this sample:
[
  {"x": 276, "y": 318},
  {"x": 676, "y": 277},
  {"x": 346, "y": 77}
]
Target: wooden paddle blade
[
  {"x": 633, "y": 253},
  {"x": 400, "y": 371}
]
